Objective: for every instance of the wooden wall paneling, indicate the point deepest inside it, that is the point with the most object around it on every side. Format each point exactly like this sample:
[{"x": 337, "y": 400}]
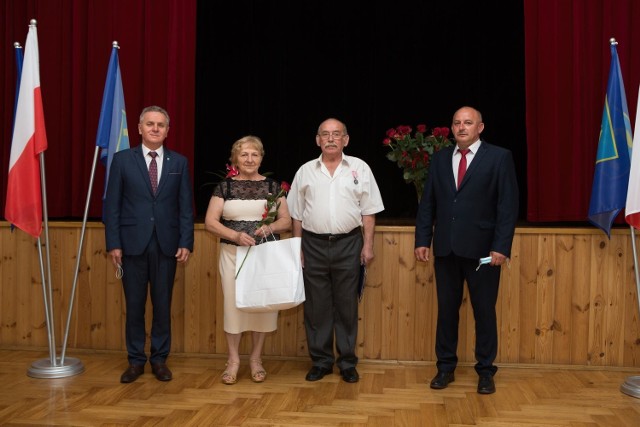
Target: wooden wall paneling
[
  {"x": 580, "y": 272},
  {"x": 114, "y": 294},
  {"x": 371, "y": 308},
  {"x": 207, "y": 283},
  {"x": 200, "y": 273},
  {"x": 546, "y": 298},
  {"x": 9, "y": 288},
  {"x": 389, "y": 307},
  {"x": 87, "y": 307},
  {"x": 564, "y": 288},
  {"x": 64, "y": 252},
  {"x": 32, "y": 329},
  {"x": 508, "y": 307},
  {"x": 614, "y": 304},
  {"x": 631, "y": 309},
  {"x": 406, "y": 285},
  {"x": 528, "y": 297},
  {"x": 84, "y": 303},
  {"x": 599, "y": 248},
  {"x": 193, "y": 288},
  {"x": 426, "y": 311},
  {"x": 92, "y": 275},
  {"x": 288, "y": 329},
  {"x": 300, "y": 337},
  {"x": 568, "y": 297}
]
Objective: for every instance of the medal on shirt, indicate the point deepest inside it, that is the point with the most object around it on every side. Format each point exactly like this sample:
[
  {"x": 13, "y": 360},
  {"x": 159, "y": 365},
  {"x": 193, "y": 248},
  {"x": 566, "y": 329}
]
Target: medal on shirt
[{"x": 355, "y": 177}]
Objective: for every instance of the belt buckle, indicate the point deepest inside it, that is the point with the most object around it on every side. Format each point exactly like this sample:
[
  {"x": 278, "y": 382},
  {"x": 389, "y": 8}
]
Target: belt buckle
[{"x": 332, "y": 237}]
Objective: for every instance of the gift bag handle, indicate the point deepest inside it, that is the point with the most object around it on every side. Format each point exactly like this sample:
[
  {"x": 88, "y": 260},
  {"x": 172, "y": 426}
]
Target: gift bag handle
[{"x": 265, "y": 237}]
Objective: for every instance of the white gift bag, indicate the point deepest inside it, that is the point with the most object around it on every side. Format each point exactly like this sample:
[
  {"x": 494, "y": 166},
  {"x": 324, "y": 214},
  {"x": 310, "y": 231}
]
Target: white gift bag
[{"x": 269, "y": 276}]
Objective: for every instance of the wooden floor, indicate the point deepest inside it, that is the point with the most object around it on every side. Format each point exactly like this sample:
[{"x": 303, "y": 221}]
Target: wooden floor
[{"x": 388, "y": 394}]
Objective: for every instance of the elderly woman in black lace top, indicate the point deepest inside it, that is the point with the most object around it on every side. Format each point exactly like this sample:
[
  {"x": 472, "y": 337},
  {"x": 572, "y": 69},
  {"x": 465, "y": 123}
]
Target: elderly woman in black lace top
[{"x": 234, "y": 215}]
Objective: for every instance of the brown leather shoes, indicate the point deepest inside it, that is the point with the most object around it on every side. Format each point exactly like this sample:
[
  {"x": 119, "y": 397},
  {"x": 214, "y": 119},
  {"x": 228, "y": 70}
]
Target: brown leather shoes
[
  {"x": 132, "y": 373},
  {"x": 161, "y": 371}
]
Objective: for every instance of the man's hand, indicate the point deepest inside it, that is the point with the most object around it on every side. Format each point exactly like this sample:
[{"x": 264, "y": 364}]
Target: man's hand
[
  {"x": 183, "y": 254},
  {"x": 422, "y": 253}
]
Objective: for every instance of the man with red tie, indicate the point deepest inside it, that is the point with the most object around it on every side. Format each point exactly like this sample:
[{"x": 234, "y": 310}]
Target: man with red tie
[
  {"x": 149, "y": 229},
  {"x": 468, "y": 212}
]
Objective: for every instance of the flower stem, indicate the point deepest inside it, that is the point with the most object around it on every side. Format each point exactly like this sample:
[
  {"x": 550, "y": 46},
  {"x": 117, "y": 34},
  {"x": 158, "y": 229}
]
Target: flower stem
[{"x": 243, "y": 260}]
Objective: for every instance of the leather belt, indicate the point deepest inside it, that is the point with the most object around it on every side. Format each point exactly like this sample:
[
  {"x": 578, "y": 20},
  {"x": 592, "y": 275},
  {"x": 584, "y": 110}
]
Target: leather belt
[{"x": 332, "y": 237}]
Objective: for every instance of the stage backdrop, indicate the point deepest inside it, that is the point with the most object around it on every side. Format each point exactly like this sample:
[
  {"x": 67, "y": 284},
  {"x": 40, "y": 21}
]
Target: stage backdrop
[
  {"x": 276, "y": 69},
  {"x": 157, "y": 63}
]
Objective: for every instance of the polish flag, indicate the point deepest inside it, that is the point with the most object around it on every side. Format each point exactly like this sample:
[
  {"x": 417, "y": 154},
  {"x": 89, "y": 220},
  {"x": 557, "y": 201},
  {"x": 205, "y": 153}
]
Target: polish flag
[{"x": 24, "y": 199}]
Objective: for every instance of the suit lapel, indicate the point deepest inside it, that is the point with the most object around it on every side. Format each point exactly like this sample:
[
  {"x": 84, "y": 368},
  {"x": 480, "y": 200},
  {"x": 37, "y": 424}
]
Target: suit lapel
[
  {"x": 166, "y": 165},
  {"x": 138, "y": 157},
  {"x": 452, "y": 177}
]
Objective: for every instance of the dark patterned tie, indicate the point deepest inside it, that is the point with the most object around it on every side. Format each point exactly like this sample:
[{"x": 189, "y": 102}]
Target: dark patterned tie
[
  {"x": 462, "y": 167},
  {"x": 153, "y": 171}
]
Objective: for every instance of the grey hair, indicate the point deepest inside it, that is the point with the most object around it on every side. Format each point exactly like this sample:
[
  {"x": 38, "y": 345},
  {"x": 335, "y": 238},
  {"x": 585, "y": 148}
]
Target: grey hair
[{"x": 154, "y": 109}]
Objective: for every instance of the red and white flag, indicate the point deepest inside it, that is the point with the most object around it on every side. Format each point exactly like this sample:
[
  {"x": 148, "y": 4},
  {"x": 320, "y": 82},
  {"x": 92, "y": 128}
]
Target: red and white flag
[
  {"x": 632, "y": 212},
  {"x": 24, "y": 199}
]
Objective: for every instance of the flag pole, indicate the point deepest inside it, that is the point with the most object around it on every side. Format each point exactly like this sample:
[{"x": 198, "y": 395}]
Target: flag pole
[
  {"x": 103, "y": 143},
  {"x": 79, "y": 254},
  {"x": 52, "y": 367},
  {"x": 631, "y": 386}
]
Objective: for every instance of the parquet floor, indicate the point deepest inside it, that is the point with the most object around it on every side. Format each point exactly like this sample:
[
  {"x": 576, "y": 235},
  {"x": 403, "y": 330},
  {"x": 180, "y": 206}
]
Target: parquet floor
[{"x": 388, "y": 394}]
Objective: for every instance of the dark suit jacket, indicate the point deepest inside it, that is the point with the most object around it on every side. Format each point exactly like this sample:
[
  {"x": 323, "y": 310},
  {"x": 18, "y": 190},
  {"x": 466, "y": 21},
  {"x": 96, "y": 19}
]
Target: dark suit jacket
[
  {"x": 479, "y": 217},
  {"x": 131, "y": 211}
]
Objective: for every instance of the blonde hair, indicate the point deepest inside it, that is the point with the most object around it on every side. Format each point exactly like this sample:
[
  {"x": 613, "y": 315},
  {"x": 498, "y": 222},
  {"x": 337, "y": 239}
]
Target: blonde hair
[{"x": 236, "y": 148}]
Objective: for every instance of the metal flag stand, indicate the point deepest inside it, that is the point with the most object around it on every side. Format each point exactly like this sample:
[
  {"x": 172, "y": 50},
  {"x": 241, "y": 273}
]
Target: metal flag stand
[
  {"x": 631, "y": 386},
  {"x": 53, "y": 367}
]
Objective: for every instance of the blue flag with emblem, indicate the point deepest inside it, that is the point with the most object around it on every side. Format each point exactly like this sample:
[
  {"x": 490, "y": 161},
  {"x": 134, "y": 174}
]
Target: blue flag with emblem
[
  {"x": 113, "y": 135},
  {"x": 611, "y": 177}
]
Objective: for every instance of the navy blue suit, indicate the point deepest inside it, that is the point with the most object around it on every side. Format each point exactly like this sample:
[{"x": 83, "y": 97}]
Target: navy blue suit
[
  {"x": 464, "y": 225},
  {"x": 148, "y": 229}
]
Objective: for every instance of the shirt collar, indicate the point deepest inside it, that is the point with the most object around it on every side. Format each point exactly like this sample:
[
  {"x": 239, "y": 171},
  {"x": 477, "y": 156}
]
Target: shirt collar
[
  {"x": 145, "y": 150},
  {"x": 473, "y": 147}
]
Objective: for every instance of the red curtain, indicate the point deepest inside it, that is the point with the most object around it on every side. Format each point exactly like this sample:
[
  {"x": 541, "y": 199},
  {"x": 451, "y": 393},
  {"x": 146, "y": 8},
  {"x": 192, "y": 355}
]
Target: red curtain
[
  {"x": 157, "y": 61},
  {"x": 567, "y": 58},
  {"x": 566, "y": 64}
]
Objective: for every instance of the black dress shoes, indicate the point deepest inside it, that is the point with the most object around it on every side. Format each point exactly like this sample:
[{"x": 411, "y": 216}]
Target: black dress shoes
[
  {"x": 486, "y": 385},
  {"x": 350, "y": 375},
  {"x": 317, "y": 373},
  {"x": 132, "y": 373},
  {"x": 442, "y": 380},
  {"x": 161, "y": 371}
]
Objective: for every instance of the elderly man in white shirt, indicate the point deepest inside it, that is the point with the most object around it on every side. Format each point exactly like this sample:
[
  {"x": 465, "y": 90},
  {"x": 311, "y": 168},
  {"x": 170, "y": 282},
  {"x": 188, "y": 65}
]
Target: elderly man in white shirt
[{"x": 333, "y": 202}]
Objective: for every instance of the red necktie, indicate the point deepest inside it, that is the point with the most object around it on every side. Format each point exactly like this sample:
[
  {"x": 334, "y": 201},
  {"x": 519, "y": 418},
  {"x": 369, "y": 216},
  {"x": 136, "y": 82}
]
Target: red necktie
[
  {"x": 153, "y": 171},
  {"x": 462, "y": 167}
]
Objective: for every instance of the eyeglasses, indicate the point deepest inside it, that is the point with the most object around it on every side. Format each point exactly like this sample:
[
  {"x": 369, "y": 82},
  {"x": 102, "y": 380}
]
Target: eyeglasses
[{"x": 335, "y": 134}]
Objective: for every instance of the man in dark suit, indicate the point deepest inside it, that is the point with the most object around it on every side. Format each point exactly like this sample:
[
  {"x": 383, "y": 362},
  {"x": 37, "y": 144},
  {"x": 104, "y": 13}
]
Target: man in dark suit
[
  {"x": 468, "y": 212},
  {"x": 148, "y": 215}
]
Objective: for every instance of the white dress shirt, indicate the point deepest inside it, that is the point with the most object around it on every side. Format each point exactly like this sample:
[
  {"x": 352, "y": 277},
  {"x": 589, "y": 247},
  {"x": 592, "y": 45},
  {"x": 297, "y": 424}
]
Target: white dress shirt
[{"x": 333, "y": 204}]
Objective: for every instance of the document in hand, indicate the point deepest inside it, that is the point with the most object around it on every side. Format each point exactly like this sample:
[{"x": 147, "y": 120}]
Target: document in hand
[{"x": 363, "y": 277}]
